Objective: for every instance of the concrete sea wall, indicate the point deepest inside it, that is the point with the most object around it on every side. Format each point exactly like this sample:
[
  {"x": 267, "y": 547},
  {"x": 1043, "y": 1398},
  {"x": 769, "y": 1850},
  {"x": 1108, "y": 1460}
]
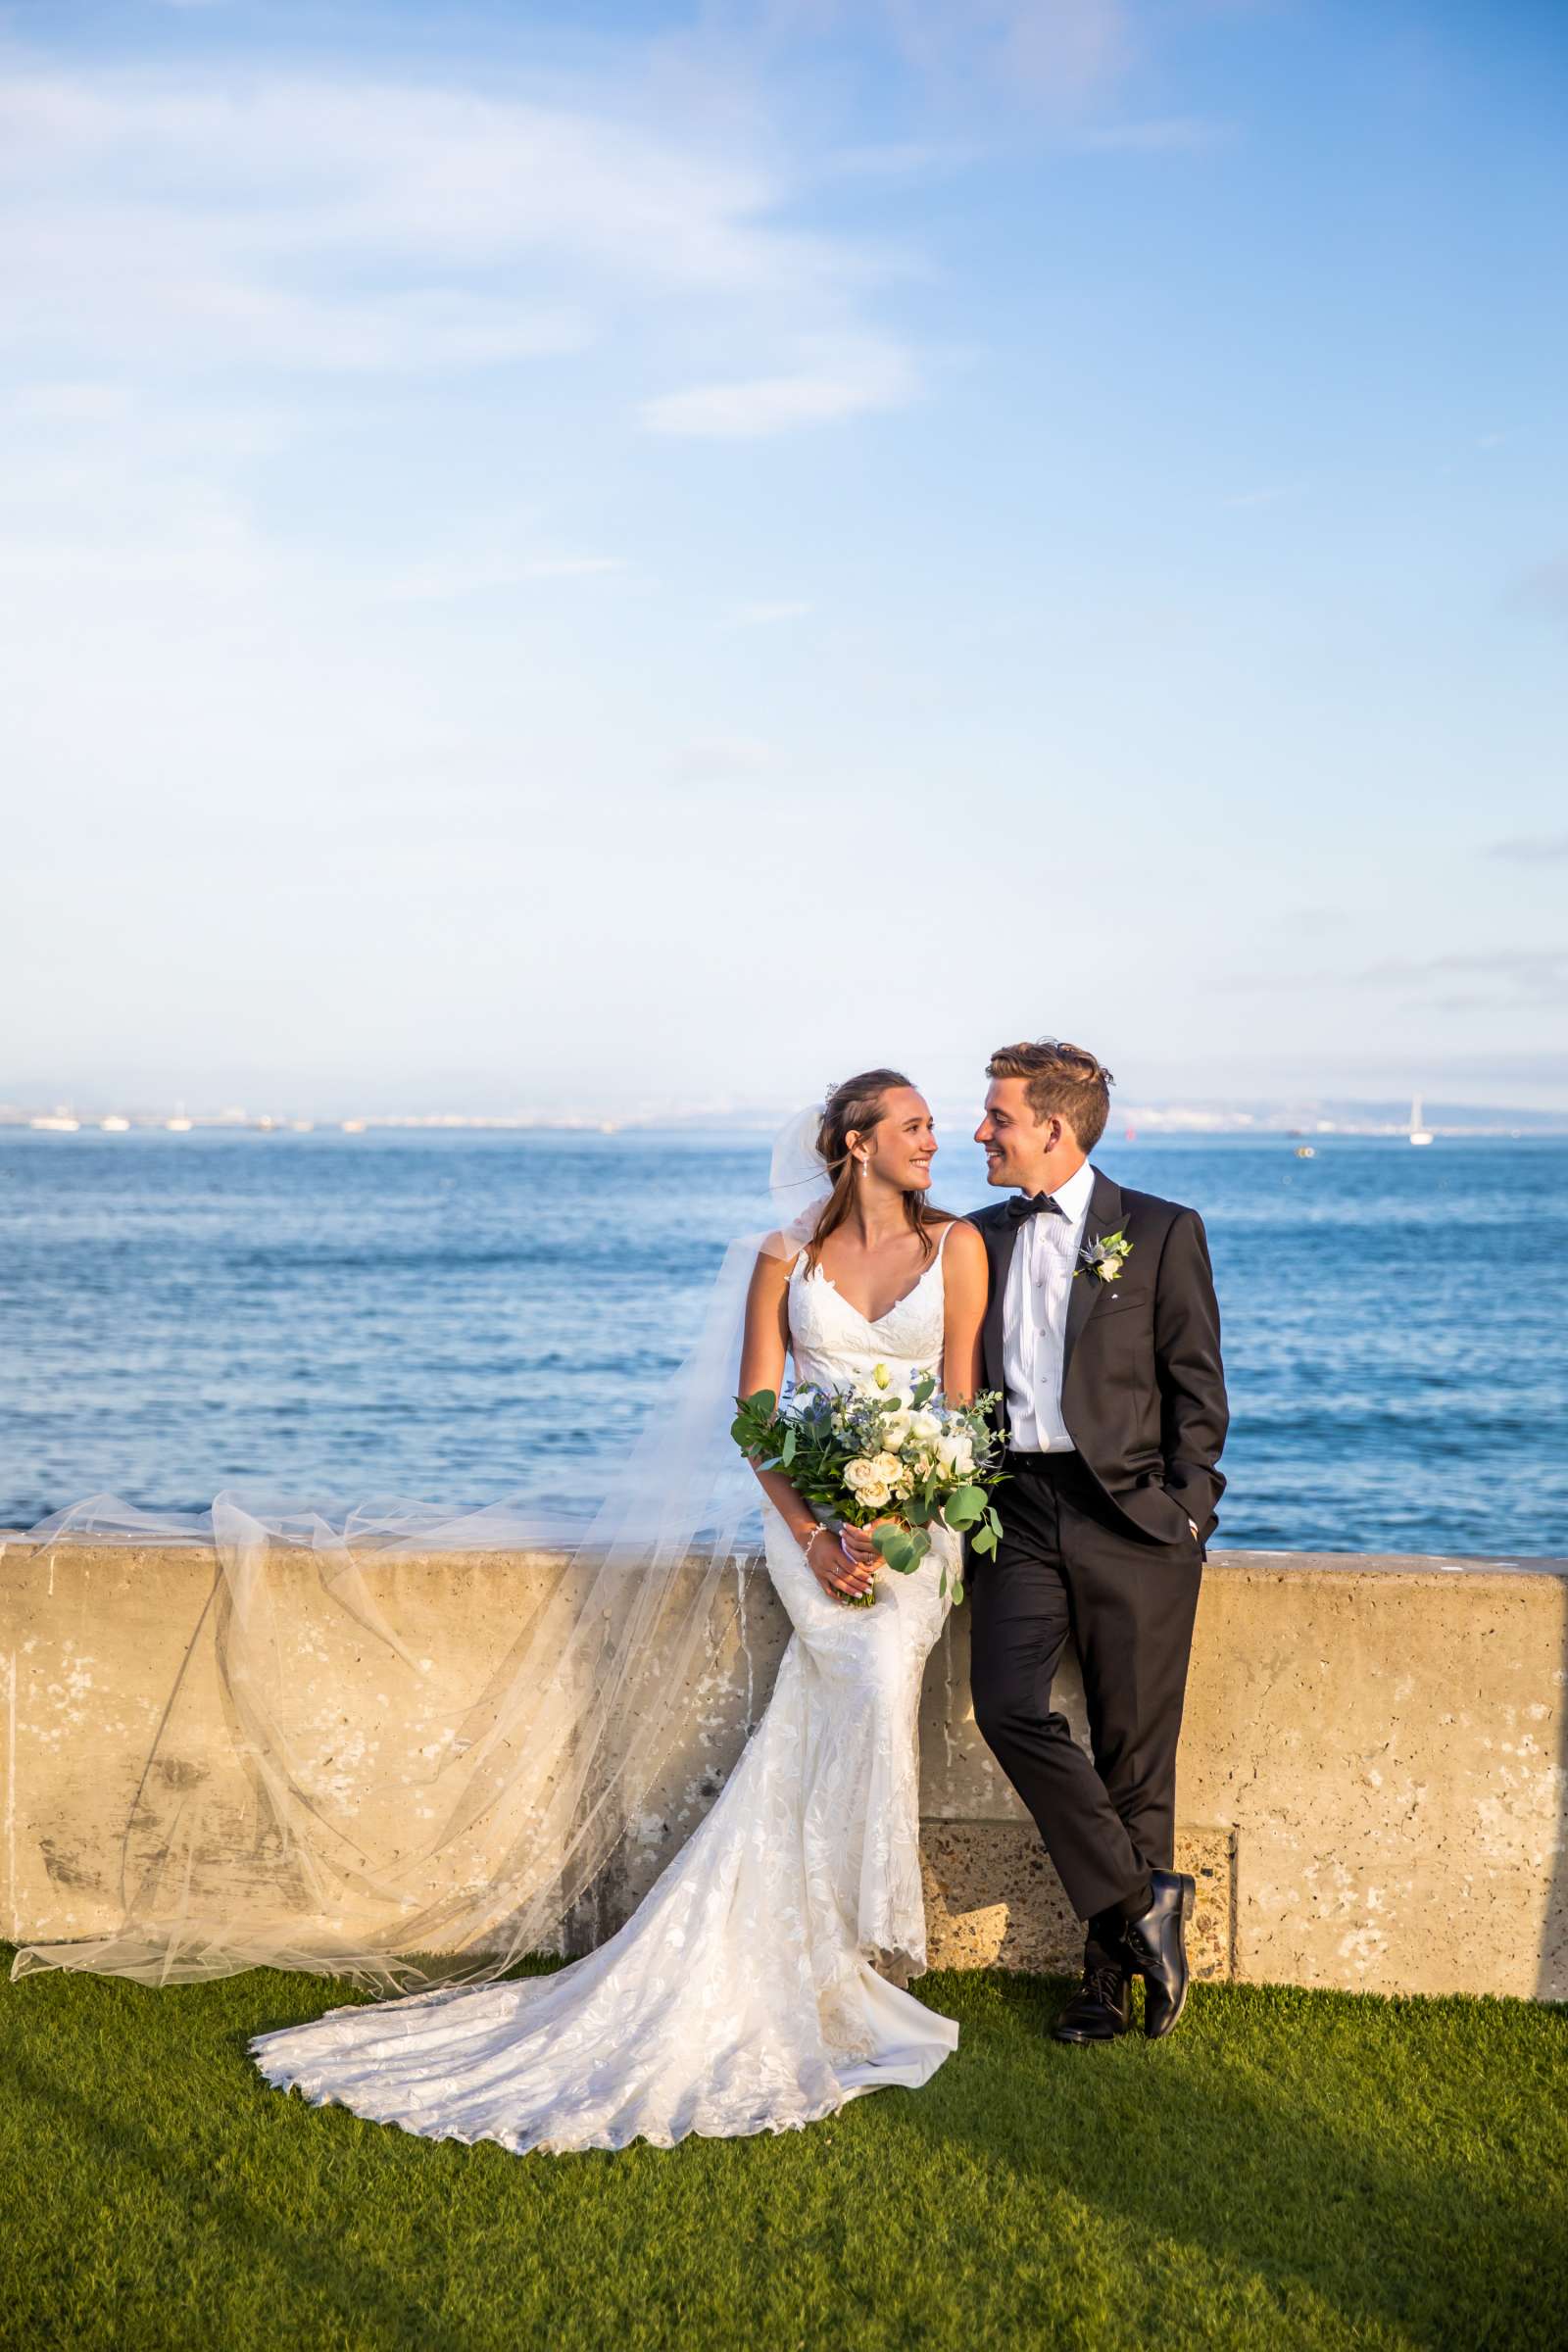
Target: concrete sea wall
[{"x": 1372, "y": 1787}]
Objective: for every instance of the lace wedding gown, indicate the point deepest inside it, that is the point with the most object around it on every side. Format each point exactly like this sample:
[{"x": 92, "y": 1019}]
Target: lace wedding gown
[{"x": 741, "y": 1996}]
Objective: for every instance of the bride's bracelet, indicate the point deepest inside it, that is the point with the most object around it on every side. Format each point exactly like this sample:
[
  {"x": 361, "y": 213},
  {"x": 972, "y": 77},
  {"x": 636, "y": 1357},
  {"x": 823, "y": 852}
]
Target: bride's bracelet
[{"x": 805, "y": 1547}]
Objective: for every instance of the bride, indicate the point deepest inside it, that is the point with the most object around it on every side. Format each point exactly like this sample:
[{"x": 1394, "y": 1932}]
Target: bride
[{"x": 759, "y": 1984}]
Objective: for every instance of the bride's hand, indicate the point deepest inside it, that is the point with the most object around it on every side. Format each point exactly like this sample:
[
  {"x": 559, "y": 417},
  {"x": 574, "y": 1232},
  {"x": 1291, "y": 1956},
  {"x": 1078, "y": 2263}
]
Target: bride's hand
[
  {"x": 828, "y": 1560},
  {"x": 859, "y": 1546}
]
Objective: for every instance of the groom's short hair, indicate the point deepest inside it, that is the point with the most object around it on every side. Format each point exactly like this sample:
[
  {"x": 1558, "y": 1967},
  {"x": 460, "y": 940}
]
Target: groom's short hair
[{"x": 1060, "y": 1081}]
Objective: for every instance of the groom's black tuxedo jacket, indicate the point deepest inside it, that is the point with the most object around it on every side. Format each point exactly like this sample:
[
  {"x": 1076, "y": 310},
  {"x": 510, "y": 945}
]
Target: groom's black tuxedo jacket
[{"x": 1142, "y": 1391}]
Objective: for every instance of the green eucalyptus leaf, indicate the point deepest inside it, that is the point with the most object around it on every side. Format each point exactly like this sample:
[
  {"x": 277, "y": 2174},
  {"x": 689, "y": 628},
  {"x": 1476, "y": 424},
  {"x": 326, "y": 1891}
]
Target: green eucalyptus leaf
[
  {"x": 963, "y": 1506},
  {"x": 903, "y": 1550}
]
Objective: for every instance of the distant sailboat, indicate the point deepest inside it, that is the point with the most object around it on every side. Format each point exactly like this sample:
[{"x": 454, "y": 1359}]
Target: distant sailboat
[{"x": 1418, "y": 1133}]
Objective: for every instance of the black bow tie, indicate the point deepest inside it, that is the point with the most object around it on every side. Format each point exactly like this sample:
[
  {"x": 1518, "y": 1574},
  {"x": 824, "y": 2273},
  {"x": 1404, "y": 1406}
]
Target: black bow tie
[{"x": 1033, "y": 1205}]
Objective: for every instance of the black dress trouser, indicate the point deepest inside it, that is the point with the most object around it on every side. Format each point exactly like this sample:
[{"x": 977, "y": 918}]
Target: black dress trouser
[{"x": 1065, "y": 1569}]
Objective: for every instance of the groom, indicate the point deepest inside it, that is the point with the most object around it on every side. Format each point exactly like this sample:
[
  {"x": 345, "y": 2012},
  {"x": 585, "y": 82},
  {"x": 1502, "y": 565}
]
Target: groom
[{"x": 1102, "y": 1338}]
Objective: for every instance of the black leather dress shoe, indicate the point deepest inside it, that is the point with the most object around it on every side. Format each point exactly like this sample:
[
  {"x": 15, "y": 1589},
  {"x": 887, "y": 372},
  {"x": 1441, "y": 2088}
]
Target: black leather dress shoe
[
  {"x": 1102, "y": 2007},
  {"x": 1158, "y": 1942}
]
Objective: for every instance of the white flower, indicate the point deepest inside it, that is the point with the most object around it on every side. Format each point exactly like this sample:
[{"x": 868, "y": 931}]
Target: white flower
[
  {"x": 868, "y": 1483},
  {"x": 1107, "y": 1257},
  {"x": 874, "y": 1479},
  {"x": 926, "y": 1425},
  {"x": 955, "y": 1455},
  {"x": 897, "y": 1430}
]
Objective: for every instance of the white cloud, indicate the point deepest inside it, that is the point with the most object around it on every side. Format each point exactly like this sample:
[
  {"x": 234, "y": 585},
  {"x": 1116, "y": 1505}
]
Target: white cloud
[
  {"x": 1171, "y": 134},
  {"x": 1061, "y": 51},
  {"x": 847, "y": 382},
  {"x": 1534, "y": 849},
  {"x": 192, "y": 219},
  {"x": 723, "y": 759},
  {"x": 443, "y": 578},
  {"x": 71, "y": 402},
  {"x": 1542, "y": 590},
  {"x": 764, "y": 613}
]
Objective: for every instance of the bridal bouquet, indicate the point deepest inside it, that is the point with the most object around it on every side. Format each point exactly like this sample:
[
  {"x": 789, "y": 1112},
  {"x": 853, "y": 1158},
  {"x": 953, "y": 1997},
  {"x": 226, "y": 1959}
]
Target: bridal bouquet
[{"x": 887, "y": 1452}]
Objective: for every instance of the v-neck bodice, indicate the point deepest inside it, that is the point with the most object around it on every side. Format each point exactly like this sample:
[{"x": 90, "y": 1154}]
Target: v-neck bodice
[{"x": 833, "y": 1342}]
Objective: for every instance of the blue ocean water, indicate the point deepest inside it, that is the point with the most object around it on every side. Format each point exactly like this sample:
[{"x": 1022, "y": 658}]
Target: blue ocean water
[{"x": 454, "y": 1316}]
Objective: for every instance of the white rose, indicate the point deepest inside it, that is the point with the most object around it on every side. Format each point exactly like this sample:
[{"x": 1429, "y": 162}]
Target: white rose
[
  {"x": 926, "y": 1425},
  {"x": 896, "y": 1431},
  {"x": 1107, "y": 1269},
  {"x": 867, "y": 1481}
]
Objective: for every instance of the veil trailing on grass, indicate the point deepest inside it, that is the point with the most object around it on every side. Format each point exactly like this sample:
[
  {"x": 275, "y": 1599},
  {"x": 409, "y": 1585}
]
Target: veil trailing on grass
[{"x": 324, "y": 1780}]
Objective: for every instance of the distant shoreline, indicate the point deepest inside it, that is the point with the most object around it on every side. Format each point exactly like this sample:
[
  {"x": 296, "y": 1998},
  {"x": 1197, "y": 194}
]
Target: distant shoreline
[{"x": 1522, "y": 1127}]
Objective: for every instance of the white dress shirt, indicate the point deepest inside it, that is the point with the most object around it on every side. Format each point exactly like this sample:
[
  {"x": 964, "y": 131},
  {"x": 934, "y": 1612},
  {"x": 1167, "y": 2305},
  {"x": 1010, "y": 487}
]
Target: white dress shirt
[{"x": 1034, "y": 1317}]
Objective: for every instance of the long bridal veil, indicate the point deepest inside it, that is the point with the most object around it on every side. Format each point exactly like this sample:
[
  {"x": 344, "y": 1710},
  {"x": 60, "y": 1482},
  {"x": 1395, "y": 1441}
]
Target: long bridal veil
[{"x": 327, "y": 1782}]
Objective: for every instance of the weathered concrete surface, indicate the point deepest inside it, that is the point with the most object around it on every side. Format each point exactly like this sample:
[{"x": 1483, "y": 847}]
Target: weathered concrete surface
[
  {"x": 1372, "y": 1774},
  {"x": 991, "y": 1899}
]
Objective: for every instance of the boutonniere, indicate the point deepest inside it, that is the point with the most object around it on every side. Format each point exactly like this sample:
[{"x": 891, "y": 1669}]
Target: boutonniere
[{"x": 1106, "y": 1257}]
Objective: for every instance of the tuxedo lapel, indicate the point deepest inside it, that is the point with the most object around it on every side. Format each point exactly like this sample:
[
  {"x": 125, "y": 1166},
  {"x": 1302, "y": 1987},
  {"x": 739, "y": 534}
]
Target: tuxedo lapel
[
  {"x": 1000, "y": 1234},
  {"x": 1083, "y": 1290}
]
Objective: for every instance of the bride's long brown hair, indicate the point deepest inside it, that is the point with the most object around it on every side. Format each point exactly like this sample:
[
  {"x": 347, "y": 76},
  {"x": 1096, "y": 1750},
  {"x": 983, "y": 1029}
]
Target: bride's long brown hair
[{"x": 854, "y": 1108}]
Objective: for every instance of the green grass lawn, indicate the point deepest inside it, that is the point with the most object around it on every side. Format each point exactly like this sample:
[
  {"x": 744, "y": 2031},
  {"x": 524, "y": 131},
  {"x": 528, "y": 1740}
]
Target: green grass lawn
[{"x": 1290, "y": 2168}]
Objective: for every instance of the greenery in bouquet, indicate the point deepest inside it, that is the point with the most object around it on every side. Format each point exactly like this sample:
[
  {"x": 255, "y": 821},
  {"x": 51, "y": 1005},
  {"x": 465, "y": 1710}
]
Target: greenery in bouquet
[{"x": 887, "y": 1452}]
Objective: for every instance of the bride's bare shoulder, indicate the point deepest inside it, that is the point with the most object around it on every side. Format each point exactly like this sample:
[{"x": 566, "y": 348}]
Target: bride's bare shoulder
[
  {"x": 955, "y": 1231},
  {"x": 776, "y": 1257},
  {"x": 960, "y": 1244}
]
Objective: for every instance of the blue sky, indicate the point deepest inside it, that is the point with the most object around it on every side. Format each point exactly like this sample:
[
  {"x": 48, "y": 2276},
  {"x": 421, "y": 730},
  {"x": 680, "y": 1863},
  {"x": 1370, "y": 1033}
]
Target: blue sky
[{"x": 636, "y": 556}]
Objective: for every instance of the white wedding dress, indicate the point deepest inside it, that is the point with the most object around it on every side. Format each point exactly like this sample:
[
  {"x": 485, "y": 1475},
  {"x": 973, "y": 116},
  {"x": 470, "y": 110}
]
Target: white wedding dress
[{"x": 744, "y": 1994}]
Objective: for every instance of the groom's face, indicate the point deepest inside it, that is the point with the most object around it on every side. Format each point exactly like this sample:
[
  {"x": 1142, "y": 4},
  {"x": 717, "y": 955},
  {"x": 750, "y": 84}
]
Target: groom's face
[{"x": 1017, "y": 1146}]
